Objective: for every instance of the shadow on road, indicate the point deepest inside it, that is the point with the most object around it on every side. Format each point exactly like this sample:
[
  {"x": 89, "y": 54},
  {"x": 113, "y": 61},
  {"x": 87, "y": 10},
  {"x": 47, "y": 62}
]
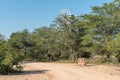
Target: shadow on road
[{"x": 30, "y": 72}]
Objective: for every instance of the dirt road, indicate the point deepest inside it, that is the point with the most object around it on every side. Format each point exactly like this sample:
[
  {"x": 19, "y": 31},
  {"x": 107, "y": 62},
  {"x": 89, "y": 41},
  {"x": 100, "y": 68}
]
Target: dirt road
[{"x": 59, "y": 71}]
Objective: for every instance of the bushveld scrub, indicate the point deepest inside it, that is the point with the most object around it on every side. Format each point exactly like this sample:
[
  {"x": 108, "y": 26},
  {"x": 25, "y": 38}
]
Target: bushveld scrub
[{"x": 67, "y": 38}]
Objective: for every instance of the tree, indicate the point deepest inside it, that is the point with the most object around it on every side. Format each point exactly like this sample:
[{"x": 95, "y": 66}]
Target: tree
[
  {"x": 103, "y": 26},
  {"x": 8, "y": 58},
  {"x": 46, "y": 44},
  {"x": 73, "y": 29},
  {"x": 14, "y": 51},
  {"x": 21, "y": 40}
]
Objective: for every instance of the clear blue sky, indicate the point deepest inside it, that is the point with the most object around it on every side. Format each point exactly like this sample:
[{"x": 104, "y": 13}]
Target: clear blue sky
[{"x": 16, "y": 15}]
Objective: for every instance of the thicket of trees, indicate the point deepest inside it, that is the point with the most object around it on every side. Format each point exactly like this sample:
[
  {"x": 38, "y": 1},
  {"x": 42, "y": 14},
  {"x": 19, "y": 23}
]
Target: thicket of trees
[{"x": 67, "y": 38}]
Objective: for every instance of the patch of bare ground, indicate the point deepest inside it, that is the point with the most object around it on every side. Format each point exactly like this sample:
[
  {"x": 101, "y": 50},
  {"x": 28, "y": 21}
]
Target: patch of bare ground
[
  {"x": 63, "y": 71},
  {"x": 29, "y": 73}
]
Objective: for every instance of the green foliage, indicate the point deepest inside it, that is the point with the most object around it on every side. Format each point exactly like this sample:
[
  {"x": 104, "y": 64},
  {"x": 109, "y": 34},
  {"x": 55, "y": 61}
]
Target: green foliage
[
  {"x": 73, "y": 29},
  {"x": 13, "y": 51},
  {"x": 103, "y": 27},
  {"x": 114, "y": 47}
]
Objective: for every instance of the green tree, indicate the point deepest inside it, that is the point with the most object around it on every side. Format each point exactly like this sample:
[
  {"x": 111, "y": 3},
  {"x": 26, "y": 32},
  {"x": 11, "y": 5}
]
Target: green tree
[
  {"x": 103, "y": 26},
  {"x": 73, "y": 30}
]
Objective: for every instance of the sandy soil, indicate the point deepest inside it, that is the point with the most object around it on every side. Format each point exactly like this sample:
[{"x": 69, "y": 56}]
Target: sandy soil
[{"x": 61, "y": 71}]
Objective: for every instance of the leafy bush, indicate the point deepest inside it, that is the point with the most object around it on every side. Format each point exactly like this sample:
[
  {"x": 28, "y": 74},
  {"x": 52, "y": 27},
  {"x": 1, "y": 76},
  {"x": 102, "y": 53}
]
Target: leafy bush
[
  {"x": 10, "y": 58},
  {"x": 11, "y": 62}
]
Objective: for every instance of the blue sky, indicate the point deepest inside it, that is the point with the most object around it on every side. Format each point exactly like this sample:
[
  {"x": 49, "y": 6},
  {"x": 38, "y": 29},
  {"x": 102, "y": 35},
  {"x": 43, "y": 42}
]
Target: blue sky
[{"x": 16, "y": 15}]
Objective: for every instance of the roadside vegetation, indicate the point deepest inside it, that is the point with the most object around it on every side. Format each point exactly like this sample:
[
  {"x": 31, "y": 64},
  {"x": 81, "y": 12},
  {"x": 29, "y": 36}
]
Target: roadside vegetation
[{"x": 95, "y": 35}]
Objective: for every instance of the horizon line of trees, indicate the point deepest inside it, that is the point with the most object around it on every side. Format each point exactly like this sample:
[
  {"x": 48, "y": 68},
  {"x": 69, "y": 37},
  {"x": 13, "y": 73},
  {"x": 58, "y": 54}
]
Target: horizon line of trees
[{"x": 67, "y": 38}]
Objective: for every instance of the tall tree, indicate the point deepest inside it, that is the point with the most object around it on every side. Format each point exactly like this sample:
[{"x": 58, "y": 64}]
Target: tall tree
[
  {"x": 73, "y": 28},
  {"x": 103, "y": 26}
]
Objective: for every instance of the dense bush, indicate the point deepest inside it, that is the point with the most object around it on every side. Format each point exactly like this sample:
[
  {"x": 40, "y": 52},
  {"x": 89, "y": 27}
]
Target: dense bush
[{"x": 10, "y": 60}]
